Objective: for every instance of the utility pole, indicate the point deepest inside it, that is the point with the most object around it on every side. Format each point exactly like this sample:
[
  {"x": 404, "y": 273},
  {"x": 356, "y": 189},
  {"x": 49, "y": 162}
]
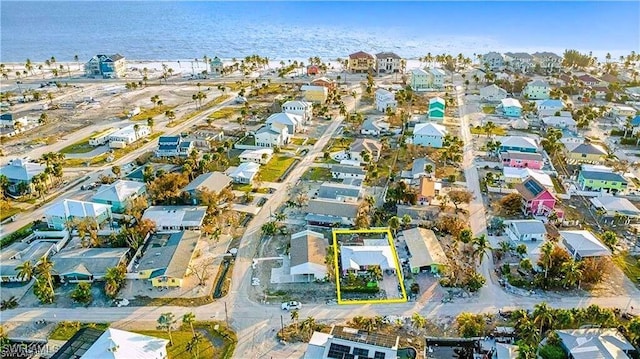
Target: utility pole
[
  {"x": 282, "y": 326},
  {"x": 226, "y": 314}
]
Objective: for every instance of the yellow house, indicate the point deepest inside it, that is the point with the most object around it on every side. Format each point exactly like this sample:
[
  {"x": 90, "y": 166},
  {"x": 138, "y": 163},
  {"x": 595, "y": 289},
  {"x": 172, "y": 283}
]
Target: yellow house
[
  {"x": 166, "y": 259},
  {"x": 316, "y": 94},
  {"x": 361, "y": 62},
  {"x": 585, "y": 152}
]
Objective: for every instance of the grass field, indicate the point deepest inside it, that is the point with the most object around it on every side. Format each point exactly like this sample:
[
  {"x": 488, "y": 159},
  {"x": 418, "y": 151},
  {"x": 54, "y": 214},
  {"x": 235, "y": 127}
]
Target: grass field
[
  {"x": 297, "y": 141},
  {"x": 489, "y": 110},
  {"x": 498, "y": 131},
  {"x": 629, "y": 264},
  {"x": 152, "y": 112},
  {"x": 244, "y": 187},
  {"x": 275, "y": 168},
  {"x": 317, "y": 174},
  {"x": 102, "y": 159},
  {"x": 226, "y": 112},
  {"x": 7, "y": 212},
  {"x": 206, "y": 106},
  {"x": 65, "y": 330},
  {"x": 81, "y": 146}
]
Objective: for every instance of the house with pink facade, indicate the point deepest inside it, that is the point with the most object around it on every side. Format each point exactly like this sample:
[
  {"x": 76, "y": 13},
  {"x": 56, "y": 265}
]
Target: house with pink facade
[
  {"x": 535, "y": 161},
  {"x": 536, "y": 198}
]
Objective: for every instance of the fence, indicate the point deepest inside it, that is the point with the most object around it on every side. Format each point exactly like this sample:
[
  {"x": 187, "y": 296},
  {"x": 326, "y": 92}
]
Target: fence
[{"x": 502, "y": 190}]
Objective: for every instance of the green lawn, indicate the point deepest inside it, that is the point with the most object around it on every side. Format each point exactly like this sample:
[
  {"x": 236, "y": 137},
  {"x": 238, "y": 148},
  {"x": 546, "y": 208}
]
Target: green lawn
[
  {"x": 81, "y": 146},
  {"x": 65, "y": 330},
  {"x": 8, "y": 211},
  {"x": 489, "y": 110},
  {"x": 244, "y": 187},
  {"x": 317, "y": 174},
  {"x": 275, "y": 168},
  {"x": 629, "y": 264},
  {"x": 102, "y": 159},
  {"x": 152, "y": 112},
  {"x": 297, "y": 141},
  {"x": 226, "y": 112},
  {"x": 498, "y": 131},
  {"x": 206, "y": 106}
]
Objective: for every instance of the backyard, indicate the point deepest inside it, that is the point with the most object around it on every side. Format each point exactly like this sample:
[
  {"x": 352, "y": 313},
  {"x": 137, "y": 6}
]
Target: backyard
[
  {"x": 630, "y": 265},
  {"x": 317, "y": 174},
  {"x": 275, "y": 168}
]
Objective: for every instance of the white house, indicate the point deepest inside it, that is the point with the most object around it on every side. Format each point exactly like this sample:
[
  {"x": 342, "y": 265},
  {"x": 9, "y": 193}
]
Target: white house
[
  {"x": 492, "y": 93},
  {"x": 307, "y": 254},
  {"x": 429, "y": 134},
  {"x": 537, "y": 90},
  {"x": 583, "y": 244},
  {"x": 20, "y": 170},
  {"x": 275, "y": 134},
  {"x": 384, "y": 100},
  {"x": 117, "y": 344},
  {"x": 346, "y": 171},
  {"x": 355, "y": 258},
  {"x": 526, "y": 230},
  {"x": 437, "y": 77},
  {"x": 176, "y": 218},
  {"x": 388, "y": 63},
  {"x": 128, "y": 135},
  {"x": 303, "y": 109},
  {"x": 61, "y": 212},
  {"x": 260, "y": 156},
  {"x": 293, "y": 122},
  {"x": 244, "y": 173}
]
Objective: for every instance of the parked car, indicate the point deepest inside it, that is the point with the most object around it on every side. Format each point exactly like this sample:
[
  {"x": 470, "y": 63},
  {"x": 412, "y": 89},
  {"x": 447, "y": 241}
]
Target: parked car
[{"x": 293, "y": 305}]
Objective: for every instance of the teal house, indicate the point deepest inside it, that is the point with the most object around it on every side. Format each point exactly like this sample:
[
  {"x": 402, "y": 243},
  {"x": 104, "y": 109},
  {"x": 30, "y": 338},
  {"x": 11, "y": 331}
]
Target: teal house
[
  {"x": 215, "y": 66},
  {"x": 436, "y": 109},
  {"x": 608, "y": 182},
  {"x": 118, "y": 194}
]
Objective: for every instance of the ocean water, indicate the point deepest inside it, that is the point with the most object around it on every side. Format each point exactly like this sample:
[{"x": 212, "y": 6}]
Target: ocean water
[{"x": 154, "y": 30}]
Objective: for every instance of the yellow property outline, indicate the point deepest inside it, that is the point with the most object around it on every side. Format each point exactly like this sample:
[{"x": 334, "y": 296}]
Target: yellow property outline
[{"x": 386, "y": 231}]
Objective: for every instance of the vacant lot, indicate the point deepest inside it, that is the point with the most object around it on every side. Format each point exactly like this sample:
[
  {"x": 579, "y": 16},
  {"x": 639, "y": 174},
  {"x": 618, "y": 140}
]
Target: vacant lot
[
  {"x": 81, "y": 146},
  {"x": 275, "y": 168},
  {"x": 630, "y": 265},
  {"x": 317, "y": 174}
]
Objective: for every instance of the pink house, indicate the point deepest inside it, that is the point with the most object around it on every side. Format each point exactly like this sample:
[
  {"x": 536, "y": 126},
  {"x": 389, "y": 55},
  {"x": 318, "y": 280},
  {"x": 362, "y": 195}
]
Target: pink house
[
  {"x": 517, "y": 159},
  {"x": 536, "y": 198}
]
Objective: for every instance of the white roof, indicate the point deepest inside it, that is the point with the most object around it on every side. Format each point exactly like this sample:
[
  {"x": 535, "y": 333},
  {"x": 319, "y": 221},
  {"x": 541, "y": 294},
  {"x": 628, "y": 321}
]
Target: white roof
[
  {"x": 284, "y": 118},
  {"x": 72, "y": 208},
  {"x": 615, "y": 204},
  {"x": 418, "y": 71},
  {"x": 558, "y": 120},
  {"x": 129, "y": 131},
  {"x": 384, "y": 93},
  {"x": 212, "y": 181},
  {"x": 437, "y": 72},
  {"x": 491, "y": 88},
  {"x": 595, "y": 343},
  {"x": 424, "y": 247},
  {"x": 528, "y": 226},
  {"x": 120, "y": 344},
  {"x": 176, "y": 216},
  {"x": 257, "y": 154},
  {"x": 506, "y": 351},
  {"x": 118, "y": 191},
  {"x": 354, "y": 257},
  {"x": 21, "y": 169},
  {"x": 523, "y": 173},
  {"x": 437, "y": 99},
  {"x": 585, "y": 243},
  {"x": 315, "y": 349},
  {"x": 297, "y": 103},
  {"x": 430, "y": 129},
  {"x": 518, "y": 141},
  {"x": 540, "y": 83},
  {"x": 511, "y": 102},
  {"x": 245, "y": 170}
]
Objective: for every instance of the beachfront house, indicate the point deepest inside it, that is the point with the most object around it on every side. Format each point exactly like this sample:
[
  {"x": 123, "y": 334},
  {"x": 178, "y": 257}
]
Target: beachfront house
[
  {"x": 608, "y": 182},
  {"x": 537, "y": 90},
  {"x": 361, "y": 62},
  {"x": 388, "y": 63},
  {"x": 494, "y": 61},
  {"x": 518, "y": 61},
  {"x": 59, "y": 214},
  {"x": 437, "y": 109},
  {"x": 420, "y": 80},
  {"x": 299, "y": 108},
  {"x": 385, "y": 100},
  {"x": 106, "y": 66},
  {"x": 19, "y": 173},
  {"x": 119, "y": 194},
  {"x": 429, "y": 134},
  {"x": 548, "y": 61},
  {"x": 511, "y": 107},
  {"x": 215, "y": 66},
  {"x": 492, "y": 93}
]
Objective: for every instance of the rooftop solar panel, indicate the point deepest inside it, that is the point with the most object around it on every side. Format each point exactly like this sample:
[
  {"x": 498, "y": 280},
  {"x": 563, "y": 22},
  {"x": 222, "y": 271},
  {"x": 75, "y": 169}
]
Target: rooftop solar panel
[{"x": 533, "y": 187}]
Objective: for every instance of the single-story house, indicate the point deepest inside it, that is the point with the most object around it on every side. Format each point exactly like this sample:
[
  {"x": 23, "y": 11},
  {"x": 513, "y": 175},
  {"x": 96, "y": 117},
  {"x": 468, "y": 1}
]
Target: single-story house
[
  {"x": 526, "y": 230},
  {"x": 328, "y": 212},
  {"x": 547, "y": 113},
  {"x": 373, "y": 127},
  {"x": 118, "y": 194},
  {"x": 518, "y": 144},
  {"x": 339, "y": 171},
  {"x": 560, "y": 122},
  {"x": 244, "y": 173},
  {"x": 127, "y": 135},
  {"x": 307, "y": 255},
  {"x": 358, "y": 258},
  {"x": 176, "y": 218},
  {"x": 519, "y": 124},
  {"x": 522, "y": 159},
  {"x": 260, "y": 156},
  {"x": 493, "y": 93},
  {"x": 425, "y": 252},
  {"x": 339, "y": 191},
  {"x": 429, "y": 134},
  {"x": 372, "y": 147},
  {"x": 511, "y": 107},
  {"x": 585, "y": 152},
  {"x": 21, "y": 170},
  {"x": 126, "y": 345},
  {"x": 167, "y": 257},
  {"x": 549, "y": 105},
  {"x": 19, "y": 252},
  {"x": 421, "y": 167},
  {"x": 610, "y": 206},
  {"x": 345, "y": 342},
  {"x": 61, "y": 212},
  {"x": 210, "y": 181},
  {"x": 583, "y": 244},
  {"x": 595, "y": 343},
  {"x": 86, "y": 264}
]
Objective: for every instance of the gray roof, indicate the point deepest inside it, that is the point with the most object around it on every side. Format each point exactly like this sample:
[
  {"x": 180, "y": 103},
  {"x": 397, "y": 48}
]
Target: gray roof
[
  {"x": 118, "y": 191},
  {"x": 213, "y": 181},
  {"x": 170, "y": 253},
  {"x": 546, "y": 54},
  {"x": 332, "y": 208},
  {"x": 424, "y": 247},
  {"x": 419, "y": 165},
  {"x": 365, "y": 144},
  {"x": 518, "y": 55},
  {"x": 589, "y": 149},
  {"x": 584, "y": 243},
  {"x": 309, "y": 247},
  {"x": 20, "y": 252},
  {"x": 615, "y": 204},
  {"x": 370, "y": 125},
  {"x": 90, "y": 261},
  {"x": 21, "y": 170},
  {"x": 538, "y": 83},
  {"x": 176, "y": 216},
  {"x": 348, "y": 169},
  {"x": 528, "y": 226},
  {"x": 603, "y": 176},
  {"x": 386, "y": 55},
  {"x": 334, "y": 190},
  {"x": 605, "y": 343},
  {"x": 521, "y": 155}
]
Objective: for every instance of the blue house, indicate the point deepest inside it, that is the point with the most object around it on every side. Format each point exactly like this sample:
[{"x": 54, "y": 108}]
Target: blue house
[
  {"x": 511, "y": 107},
  {"x": 119, "y": 194},
  {"x": 635, "y": 123},
  {"x": 518, "y": 144}
]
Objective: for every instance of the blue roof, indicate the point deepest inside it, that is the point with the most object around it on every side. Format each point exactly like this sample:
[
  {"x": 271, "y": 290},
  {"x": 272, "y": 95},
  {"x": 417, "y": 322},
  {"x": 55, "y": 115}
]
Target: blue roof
[
  {"x": 168, "y": 147},
  {"x": 602, "y": 176},
  {"x": 169, "y": 139},
  {"x": 555, "y": 103},
  {"x": 635, "y": 121}
]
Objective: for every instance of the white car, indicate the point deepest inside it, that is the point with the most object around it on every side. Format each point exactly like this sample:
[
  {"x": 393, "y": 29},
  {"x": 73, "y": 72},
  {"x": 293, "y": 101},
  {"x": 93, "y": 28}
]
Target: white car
[{"x": 293, "y": 305}]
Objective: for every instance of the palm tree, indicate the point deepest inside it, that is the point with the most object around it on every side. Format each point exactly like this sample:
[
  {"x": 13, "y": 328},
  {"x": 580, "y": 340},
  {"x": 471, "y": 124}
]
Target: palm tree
[
  {"x": 394, "y": 224},
  {"x": 489, "y": 127},
  {"x": 542, "y": 316},
  {"x": 44, "y": 270},
  {"x": 546, "y": 249},
  {"x": 418, "y": 320},
  {"x": 465, "y": 236},
  {"x": 165, "y": 322},
  {"x": 192, "y": 345},
  {"x": 481, "y": 244},
  {"x": 294, "y": 316},
  {"x": 406, "y": 220},
  {"x": 572, "y": 271},
  {"x": 189, "y": 319},
  {"x": 25, "y": 271}
]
